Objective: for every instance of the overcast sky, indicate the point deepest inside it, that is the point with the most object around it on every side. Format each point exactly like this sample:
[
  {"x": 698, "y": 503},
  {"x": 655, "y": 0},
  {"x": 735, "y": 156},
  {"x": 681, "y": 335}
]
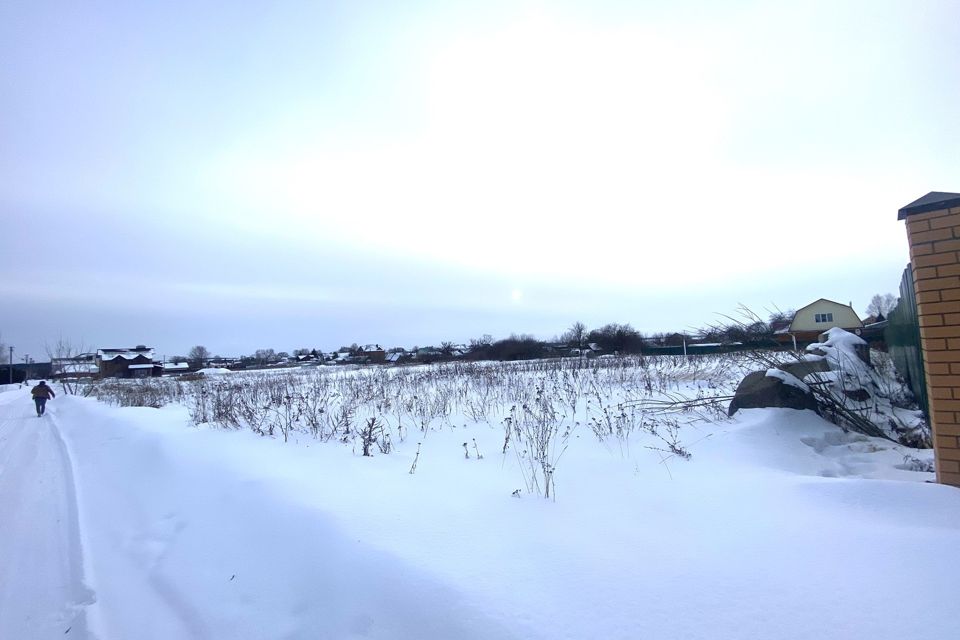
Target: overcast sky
[{"x": 312, "y": 174}]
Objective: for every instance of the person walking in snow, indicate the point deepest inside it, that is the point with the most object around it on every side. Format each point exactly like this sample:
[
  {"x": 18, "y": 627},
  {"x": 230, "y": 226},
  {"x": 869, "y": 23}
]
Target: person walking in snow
[{"x": 41, "y": 393}]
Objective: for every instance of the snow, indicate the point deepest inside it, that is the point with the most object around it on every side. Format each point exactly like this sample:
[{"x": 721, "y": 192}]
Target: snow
[
  {"x": 788, "y": 378},
  {"x": 839, "y": 349},
  {"x": 837, "y": 337},
  {"x": 213, "y": 371},
  {"x": 883, "y": 400},
  {"x": 132, "y": 522},
  {"x": 130, "y": 354},
  {"x": 77, "y": 367}
]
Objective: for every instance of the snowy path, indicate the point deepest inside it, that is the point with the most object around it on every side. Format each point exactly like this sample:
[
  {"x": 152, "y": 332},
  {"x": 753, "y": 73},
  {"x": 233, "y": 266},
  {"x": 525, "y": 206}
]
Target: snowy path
[
  {"x": 176, "y": 547},
  {"x": 42, "y": 594}
]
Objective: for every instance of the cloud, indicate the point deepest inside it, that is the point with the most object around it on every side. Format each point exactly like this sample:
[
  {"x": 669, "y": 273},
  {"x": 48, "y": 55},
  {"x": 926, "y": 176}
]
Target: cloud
[
  {"x": 551, "y": 149},
  {"x": 624, "y": 159}
]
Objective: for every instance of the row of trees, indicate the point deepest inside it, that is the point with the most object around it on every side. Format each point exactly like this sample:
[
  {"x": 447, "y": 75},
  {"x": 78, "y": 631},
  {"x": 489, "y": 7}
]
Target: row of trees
[
  {"x": 610, "y": 338},
  {"x": 199, "y": 356},
  {"x": 621, "y": 338}
]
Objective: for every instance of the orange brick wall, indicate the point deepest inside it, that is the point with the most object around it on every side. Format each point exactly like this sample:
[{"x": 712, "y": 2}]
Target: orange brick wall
[{"x": 935, "y": 255}]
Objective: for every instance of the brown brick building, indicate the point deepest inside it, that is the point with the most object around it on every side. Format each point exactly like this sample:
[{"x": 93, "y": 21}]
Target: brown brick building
[
  {"x": 933, "y": 230},
  {"x": 126, "y": 363}
]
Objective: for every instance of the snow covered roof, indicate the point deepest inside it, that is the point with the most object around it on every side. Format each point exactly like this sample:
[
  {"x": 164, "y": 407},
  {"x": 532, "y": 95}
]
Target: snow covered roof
[
  {"x": 76, "y": 367},
  {"x": 140, "y": 366},
  {"x": 80, "y": 357},
  {"x": 176, "y": 365},
  {"x": 126, "y": 354},
  {"x": 373, "y": 347}
]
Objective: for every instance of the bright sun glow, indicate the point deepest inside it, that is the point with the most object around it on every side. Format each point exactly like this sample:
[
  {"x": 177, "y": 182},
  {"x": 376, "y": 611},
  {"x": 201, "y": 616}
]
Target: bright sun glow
[{"x": 622, "y": 130}]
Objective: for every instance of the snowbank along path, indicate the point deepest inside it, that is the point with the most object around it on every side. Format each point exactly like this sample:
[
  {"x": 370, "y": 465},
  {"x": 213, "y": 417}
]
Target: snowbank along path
[{"x": 174, "y": 547}]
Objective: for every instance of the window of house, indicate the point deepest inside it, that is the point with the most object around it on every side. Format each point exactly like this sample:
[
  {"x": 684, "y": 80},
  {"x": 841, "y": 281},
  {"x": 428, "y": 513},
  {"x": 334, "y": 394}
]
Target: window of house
[{"x": 824, "y": 317}]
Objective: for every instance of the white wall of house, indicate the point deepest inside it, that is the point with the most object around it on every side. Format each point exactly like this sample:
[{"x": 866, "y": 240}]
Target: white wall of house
[{"x": 824, "y": 314}]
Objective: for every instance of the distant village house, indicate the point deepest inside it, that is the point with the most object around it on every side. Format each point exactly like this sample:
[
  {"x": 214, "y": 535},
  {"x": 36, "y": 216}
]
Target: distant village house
[
  {"x": 127, "y": 363},
  {"x": 815, "y": 318},
  {"x": 373, "y": 354},
  {"x": 176, "y": 367}
]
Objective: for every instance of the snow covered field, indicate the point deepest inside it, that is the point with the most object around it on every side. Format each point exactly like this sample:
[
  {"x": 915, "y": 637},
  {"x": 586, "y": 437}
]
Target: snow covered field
[{"x": 136, "y": 522}]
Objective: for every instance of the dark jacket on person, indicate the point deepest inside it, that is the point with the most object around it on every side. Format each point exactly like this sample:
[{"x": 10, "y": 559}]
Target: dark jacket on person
[{"x": 42, "y": 391}]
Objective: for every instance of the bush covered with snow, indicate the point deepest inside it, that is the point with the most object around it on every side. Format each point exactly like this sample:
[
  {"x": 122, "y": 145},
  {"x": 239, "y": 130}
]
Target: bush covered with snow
[{"x": 853, "y": 387}]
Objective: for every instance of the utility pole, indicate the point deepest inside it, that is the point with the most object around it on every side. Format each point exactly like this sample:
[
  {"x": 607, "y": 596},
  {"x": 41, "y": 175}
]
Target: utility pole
[{"x": 11, "y": 365}]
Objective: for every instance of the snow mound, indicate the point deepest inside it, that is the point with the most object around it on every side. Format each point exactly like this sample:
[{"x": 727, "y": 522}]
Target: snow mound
[
  {"x": 870, "y": 390},
  {"x": 841, "y": 349}
]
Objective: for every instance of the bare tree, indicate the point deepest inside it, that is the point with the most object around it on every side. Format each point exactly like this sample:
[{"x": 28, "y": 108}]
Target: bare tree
[
  {"x": 67, "y": 366},
  {"x": 575, "y": 335},
  {"x": 4, "y": 353},
  {"x": 198, "y": 356},
  {"x": 882, "y": 304},
  {"x": 265, "y": 356},
  {"x": 480, "y": 344},
  {"x": 779, "y": 317}
]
